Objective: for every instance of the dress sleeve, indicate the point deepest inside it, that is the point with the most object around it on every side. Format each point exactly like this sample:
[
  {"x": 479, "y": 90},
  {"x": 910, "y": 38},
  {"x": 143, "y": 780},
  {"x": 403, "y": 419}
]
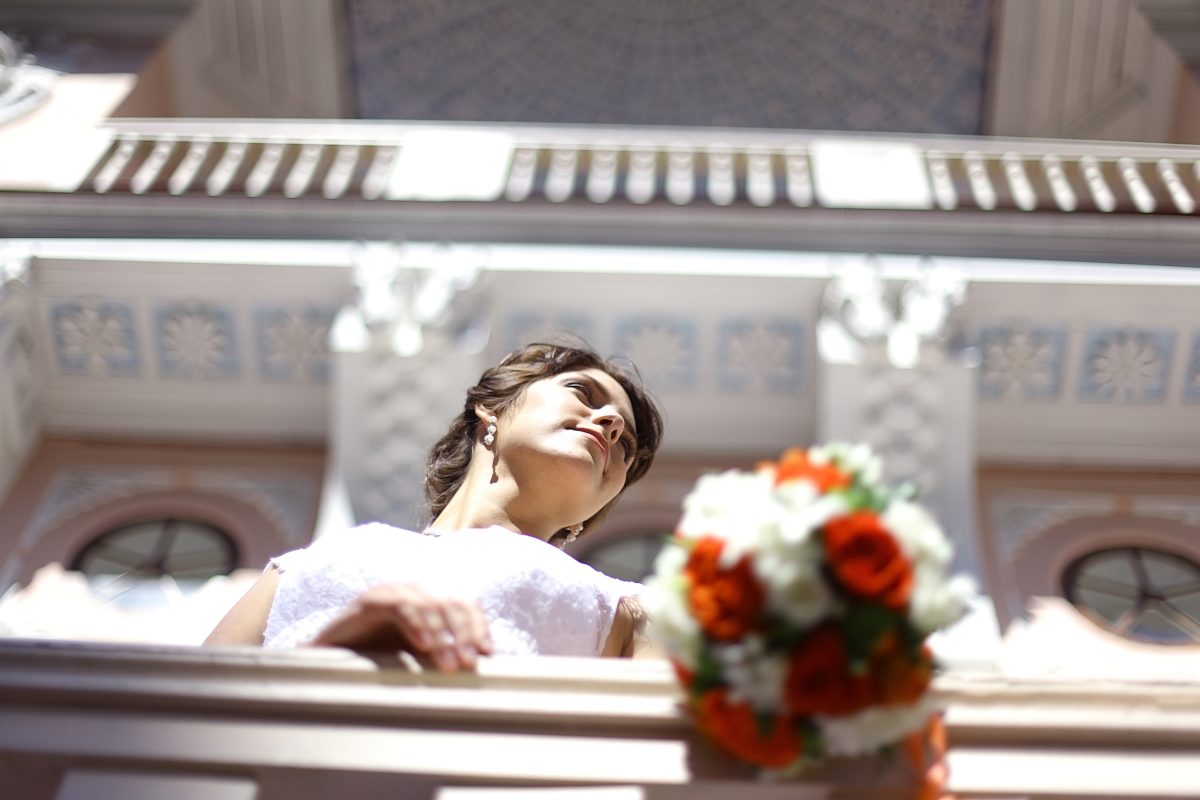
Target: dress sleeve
[
  {"x": 287, "y": 561},
  {"x": 611, "y": 591}
]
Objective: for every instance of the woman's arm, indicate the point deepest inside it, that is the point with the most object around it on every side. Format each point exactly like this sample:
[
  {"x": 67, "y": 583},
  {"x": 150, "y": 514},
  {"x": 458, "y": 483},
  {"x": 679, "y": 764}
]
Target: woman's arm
[
  {"x": 246, "y": 622},
  {"x": 627, "y": 637},
  {"x": 453, "y": 633}
]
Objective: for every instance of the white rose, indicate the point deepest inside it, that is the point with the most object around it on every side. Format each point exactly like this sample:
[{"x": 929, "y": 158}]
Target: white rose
[
  {"x": 936, "y": 601},
  {"x": 737, "y": 507},
  {"x": 665, "y": 601},
  {"x": 869, "y": 730},
  {"x": 858, "y": 459},
  {"x": 917, "y": 531},
  {"x": 799, "y": 523},
  {"x": 795, "y": 588},
  {"x": 755, "y": 677}
]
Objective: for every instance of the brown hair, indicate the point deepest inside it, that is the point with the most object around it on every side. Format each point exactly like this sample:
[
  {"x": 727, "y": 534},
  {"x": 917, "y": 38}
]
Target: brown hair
[{"x": 500, "y": 387}]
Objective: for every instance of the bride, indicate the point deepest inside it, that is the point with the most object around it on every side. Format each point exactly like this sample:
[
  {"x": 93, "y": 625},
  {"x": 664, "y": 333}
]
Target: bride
[{"x": 545, "y": 443}]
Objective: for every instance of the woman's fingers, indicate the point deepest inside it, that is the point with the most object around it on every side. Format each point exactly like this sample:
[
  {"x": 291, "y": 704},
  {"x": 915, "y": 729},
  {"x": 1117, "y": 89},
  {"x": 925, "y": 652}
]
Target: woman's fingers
[
  {"x": 462, "y": 622},
  {"x": 452, "y": 633}
]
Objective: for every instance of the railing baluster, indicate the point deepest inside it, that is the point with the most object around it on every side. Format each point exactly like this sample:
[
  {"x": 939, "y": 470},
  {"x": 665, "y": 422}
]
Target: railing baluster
[
  {"x": 380, "y": 171},
  {"x": 799, "y": 178},
  {"x": 760, "y": 178},
  {"x": 227, "y": 167},
  {"x": 681, "y": 176},
  {"x": 943, "y": 186},
  {"x": 640, "y": 181},
  {"x": 520, "y": 176},
  {"x": 560, "y": 181},
  {"x": 1179, "y": 194},
  {"x": 149, "y": 171},
  {"x": 1018, "y": 182},
  {"x": 1142, "y": 199},
  {"x": 602, "y": 176},
  {"x": 1060, "y": 187},
  {"x": 300, "y": 178},
  {"x": 341, "y": 171},
  {"x": 722, "y": 187},
  {"x": 1102, "y": 196},
  {"x": 189, "y": 168},
  {"x": 115, "y": 165},
  {"x": 265, "y": 169},
  {"x": 981, "y": 185}
]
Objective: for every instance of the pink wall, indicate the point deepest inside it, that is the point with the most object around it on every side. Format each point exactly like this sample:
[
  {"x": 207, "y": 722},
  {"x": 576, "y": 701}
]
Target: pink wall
[{"x": 258, "y": 532}]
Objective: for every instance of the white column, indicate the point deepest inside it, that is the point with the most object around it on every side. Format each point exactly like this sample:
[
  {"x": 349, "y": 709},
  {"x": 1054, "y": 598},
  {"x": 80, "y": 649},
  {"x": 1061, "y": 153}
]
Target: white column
[
  {"x": 892, "y": 374},
  {"x": 404, "y": 355},
  {"x": 20, "y": 390}
]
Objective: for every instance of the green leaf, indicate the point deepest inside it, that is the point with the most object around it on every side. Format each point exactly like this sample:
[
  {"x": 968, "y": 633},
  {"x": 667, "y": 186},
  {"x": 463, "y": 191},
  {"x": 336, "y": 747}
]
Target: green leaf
[
  {"x": 810, "y": 737},
  {"x": 863, "y": 626},
  {"x": 708, "y": 672}
]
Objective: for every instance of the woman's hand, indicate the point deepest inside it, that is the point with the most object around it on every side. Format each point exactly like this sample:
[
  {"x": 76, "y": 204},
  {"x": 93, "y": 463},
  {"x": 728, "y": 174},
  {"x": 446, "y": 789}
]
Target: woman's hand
[{"x": 450, "y": 632}]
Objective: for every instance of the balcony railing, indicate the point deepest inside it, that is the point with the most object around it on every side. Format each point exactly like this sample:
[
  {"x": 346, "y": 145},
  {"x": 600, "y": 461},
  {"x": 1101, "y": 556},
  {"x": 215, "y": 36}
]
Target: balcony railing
[
  {"x": 321, "y": 723},
  {"x": 647, "y": 166},
  {"x": 731, "y": 188}
]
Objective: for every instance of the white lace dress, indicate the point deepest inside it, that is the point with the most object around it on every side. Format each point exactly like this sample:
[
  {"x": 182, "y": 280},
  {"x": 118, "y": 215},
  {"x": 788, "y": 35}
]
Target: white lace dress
[{"x": 538, "y": 599}]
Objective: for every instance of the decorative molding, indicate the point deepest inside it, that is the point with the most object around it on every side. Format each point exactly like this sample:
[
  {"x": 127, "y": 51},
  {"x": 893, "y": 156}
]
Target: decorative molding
[
  {"x": 767, "y": 355},
  {"x": 196, "y": 340},
  {"x": 95, "y": 337},
  {"x": 525, "y": 326},
  {"x": 665, "y": 349},
  {"x": 292, "y": 342},
  {"x": 284, "y": 498},
  {"x": 1021, "y": 361},
  {"x": 900, "y": 421},
  {"x": 1126, "y": 365},
  {"x": 78, "y": 489}
]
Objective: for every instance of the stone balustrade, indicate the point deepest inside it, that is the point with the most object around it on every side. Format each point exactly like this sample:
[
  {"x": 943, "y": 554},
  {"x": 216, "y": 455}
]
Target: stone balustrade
[{"x": 248, "y": 723}]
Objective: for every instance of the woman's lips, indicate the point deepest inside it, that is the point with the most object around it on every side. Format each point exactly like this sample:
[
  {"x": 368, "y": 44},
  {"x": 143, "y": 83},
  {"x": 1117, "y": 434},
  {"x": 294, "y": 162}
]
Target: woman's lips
[{"x": 599, "y": 440}]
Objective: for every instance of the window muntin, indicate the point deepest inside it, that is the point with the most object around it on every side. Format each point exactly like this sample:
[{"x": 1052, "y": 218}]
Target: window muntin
[
  {"x": 1142, "y": 593},
  {"x": 183, "y": 549}
]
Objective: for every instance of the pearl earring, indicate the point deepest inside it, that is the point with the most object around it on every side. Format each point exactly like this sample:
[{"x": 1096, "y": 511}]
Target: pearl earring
[
  {"x": 490, "y": 438},
  {"x": 573, "y": 533}
]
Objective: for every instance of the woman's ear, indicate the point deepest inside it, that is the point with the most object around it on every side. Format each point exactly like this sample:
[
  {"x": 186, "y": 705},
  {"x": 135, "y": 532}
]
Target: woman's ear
[{"x": 483, "y": 415}]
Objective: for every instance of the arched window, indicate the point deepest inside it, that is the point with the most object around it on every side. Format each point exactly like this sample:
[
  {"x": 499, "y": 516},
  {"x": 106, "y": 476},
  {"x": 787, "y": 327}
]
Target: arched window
[
  {"x": 630, "y": 558},
  {"x": 1140, "y": 592},
  {"x": 183, "y": 549}
]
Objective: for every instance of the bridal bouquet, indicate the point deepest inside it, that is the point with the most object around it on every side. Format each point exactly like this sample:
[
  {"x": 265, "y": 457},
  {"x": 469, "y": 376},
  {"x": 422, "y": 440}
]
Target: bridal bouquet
[{"x": 794, "y": 602}]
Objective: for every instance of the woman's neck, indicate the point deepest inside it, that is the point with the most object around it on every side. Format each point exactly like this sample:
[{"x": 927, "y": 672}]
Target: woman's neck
[{"x": 484, "y": 500}]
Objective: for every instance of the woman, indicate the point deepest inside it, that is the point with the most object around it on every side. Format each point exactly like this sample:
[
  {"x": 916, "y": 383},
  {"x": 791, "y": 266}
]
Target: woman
[{"x": 546, "y": 442}]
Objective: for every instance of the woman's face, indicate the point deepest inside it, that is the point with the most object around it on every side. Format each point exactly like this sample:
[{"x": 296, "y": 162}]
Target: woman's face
[{"x": 571, "y": 437}]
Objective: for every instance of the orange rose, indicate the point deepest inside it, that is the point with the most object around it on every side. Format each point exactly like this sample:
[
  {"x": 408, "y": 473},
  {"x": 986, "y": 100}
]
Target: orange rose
[
  {"x": 735, "y": 729},
  {"x": 685, "y": 675},
  {"x": 819, "y": 679},
  {"x": 866, "y": 559},
  {"x": 795, "y": 465},
  {"x": 726, "y": 602},
  {"x": 899, "y": 680}
]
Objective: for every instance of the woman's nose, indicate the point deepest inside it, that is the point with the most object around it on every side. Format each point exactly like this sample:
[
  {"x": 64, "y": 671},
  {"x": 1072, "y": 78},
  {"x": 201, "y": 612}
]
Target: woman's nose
[{"x": 611, "y": 423}]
